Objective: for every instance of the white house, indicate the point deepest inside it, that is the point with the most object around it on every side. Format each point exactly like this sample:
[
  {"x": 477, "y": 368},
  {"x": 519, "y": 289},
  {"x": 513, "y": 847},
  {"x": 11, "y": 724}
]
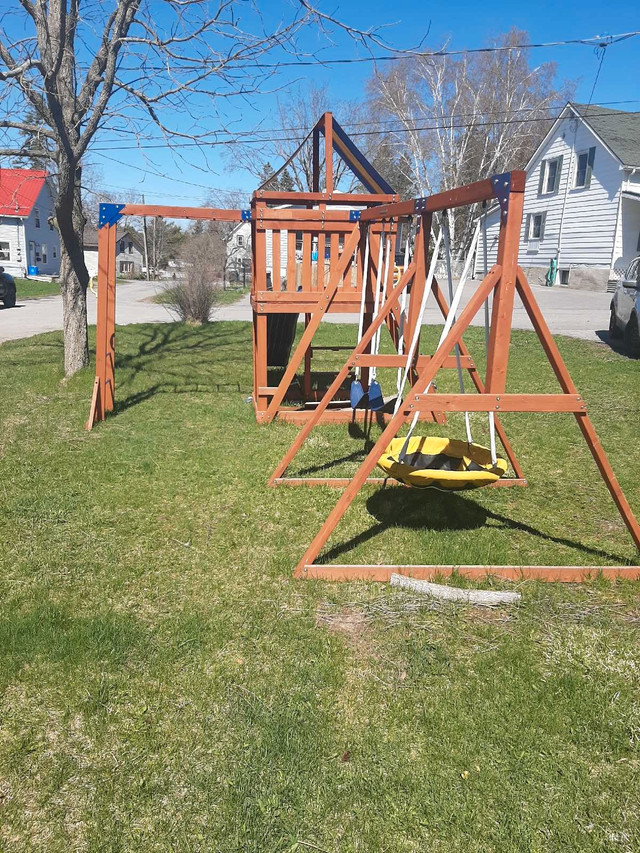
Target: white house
[
  {"x": 129, "y": 252},
  {"x": 581, "y": 201},
  {"x": 238, "y": 252},
  {"x": 28, "y": 237}
]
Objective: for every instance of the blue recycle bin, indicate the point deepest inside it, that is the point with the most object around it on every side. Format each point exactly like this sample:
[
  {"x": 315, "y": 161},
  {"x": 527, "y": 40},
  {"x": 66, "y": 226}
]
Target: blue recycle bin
[{"x": 32, "y": 270}]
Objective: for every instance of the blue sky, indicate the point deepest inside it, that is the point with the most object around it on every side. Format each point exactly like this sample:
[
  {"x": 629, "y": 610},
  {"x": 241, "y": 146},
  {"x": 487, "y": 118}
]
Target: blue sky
[{"x": 186, "y": 179}]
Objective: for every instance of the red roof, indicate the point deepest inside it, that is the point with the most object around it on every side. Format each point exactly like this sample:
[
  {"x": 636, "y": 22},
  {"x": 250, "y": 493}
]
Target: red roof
[{"x": 19, "y": 189}]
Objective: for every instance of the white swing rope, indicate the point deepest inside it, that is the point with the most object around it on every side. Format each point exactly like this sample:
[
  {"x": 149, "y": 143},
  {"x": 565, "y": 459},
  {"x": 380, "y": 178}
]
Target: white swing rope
[
  {"x": 447, "y": 254},
  {"x": 416, "y": 331},
  {"x": 453, "y": 308},
  {"x": 381, "y": 292},
  {"x": 403, "y": 302},
  {"x": 365, "y": 273},
  {"x": 491, "y": 416}
]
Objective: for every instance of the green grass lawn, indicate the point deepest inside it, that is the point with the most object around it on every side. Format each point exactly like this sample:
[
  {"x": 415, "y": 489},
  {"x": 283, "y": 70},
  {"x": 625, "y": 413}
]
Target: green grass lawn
[
  {"x": 166, "y": 684},
  {"x": 29, "y": 288}
]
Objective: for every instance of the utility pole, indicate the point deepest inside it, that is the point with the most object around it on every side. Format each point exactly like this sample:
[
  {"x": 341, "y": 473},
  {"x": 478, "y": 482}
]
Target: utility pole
[{"x": 146, "y": 244}]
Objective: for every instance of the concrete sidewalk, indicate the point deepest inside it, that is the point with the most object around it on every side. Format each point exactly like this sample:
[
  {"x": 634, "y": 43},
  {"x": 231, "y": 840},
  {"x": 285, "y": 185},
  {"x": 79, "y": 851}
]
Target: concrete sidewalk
[{"x": 579, "y": 314}]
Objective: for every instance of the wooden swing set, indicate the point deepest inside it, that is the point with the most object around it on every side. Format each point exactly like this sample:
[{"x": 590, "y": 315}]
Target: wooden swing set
[{"x": 321, "y": 252}]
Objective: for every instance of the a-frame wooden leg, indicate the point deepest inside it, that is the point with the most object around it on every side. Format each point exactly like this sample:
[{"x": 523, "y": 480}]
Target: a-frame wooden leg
[
  {"x": 361, "y": 347},
  {"x": 391, "y": 430},
  {"x": 479, "y": 385},
  {"x": 584, "y": 422}
]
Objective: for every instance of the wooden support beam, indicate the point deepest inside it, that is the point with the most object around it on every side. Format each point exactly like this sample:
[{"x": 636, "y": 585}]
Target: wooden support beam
[
  {"x": 382, "y": 574},
  {"x": 340, "y": 377},
  {"x": 495, "y": 403},
  {"x": 584, "y": 422},
  {"x": 172, "y": 212}
]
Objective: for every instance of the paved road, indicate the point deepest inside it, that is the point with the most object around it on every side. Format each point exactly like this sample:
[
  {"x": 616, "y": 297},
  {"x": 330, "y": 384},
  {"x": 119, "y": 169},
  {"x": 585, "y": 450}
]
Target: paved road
[{"x": 579, "y": 314}]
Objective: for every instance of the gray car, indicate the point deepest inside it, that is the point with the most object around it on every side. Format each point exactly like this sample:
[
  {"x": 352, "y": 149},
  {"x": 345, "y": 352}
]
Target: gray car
[
  {"x": 7, "y": 289},
  {"x": 625, "y": 309}
]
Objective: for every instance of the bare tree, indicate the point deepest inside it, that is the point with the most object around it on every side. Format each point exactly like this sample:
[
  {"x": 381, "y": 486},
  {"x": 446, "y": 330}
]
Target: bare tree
[
  {"x": 459, "y": 119},
  {"x": 72, "y": 70},
  {"x": 295, "y": 115}
]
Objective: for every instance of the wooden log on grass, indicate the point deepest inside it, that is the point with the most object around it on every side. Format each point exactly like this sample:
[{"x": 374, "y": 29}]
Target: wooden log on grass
[{"x": 479, "y": 597}]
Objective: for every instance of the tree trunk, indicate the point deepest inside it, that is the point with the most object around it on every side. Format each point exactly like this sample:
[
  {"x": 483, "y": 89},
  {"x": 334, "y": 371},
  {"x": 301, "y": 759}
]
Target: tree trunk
[
  {"x": 74, "y": 276},
  {"x": 74, "y": 318}
]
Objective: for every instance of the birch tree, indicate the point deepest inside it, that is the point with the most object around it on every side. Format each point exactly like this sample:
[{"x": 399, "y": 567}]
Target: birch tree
[
  {"x": 458, "y": 119},
  {"x": 72, "y": 70}
]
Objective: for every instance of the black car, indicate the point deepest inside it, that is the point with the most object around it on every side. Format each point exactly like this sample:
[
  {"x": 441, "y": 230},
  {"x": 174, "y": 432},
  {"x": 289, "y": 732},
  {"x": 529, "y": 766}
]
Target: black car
[{"x": 7, "y": 289}]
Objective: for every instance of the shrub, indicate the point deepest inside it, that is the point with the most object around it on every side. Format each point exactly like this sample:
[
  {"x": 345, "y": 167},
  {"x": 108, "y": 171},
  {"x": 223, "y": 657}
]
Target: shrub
[{"x": 193, "y": 297}]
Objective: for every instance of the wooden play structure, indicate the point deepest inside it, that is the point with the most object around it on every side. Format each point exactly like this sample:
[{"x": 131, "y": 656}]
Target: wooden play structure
[{"x": 371, "y": 254}]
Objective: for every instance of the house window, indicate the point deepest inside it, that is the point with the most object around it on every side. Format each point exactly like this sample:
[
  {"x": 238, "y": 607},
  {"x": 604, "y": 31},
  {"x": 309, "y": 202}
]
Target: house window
[
  {"x": 130, "y": 247},
  {"x": 121, "y": 250},
  {"x": 298, "y": 241},
  {"x": 584, "y": 168},
  {"x": 126, "y": 266},
  {"x": 5, "y": 251},
  {"x": 44, "y": 254},
  {"x": 535, "y": 226},
  {"x": 564, "y": 277},
  {"x": 240, "y": 240},
  {"x": 36, "y": 217},
  {"x": 550, "y": 171},
  {"x": 50, "y": 220},
  {"x": 55, "y": 254}
]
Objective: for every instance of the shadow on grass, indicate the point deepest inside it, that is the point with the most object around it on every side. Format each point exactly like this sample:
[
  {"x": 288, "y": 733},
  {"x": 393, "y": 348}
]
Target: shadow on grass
[
  {"x": 426, "y": 509},
  {"x": 182, "y": 343}
]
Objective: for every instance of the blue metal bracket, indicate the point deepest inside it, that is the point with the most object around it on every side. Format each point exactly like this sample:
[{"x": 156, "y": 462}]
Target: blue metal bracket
[
  {"x": 501, "y": 189},
  {"x": 354, "y": 215},
  {"x": 109, "y": 214},
  {"x": 246, "y": 215}
]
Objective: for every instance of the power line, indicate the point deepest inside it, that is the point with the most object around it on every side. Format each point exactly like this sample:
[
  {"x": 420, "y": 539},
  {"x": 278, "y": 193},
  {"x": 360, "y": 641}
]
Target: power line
[
  {"x": 590, "y": 41},
  {"x": 369, "y": 123},
  {"x": 293, "y": 139}
]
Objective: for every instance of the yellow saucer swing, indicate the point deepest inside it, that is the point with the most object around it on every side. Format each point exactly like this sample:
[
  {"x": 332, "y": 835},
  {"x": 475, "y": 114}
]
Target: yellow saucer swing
[{"x": 431, "y": 461}]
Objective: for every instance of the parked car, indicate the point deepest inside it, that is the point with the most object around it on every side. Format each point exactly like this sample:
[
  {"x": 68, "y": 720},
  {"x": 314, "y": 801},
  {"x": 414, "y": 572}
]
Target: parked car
[
  {"x": 7, "y": 289},
  {"x": 625, "y": 309}
]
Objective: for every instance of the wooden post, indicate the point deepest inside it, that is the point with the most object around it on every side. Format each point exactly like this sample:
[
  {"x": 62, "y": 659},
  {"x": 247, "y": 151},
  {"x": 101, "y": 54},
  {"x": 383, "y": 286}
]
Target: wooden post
[
  {"x": 328, "y": 151},
  {"x": 502, "y": 310}
]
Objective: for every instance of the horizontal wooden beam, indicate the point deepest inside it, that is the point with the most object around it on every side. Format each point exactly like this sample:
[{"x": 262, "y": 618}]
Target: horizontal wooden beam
[
  {"x": 400, "y": 361},
  {"x": 495, "y": 403},
  {"x": 270, "y": 197},
  {"x": 298, "y": 214},
  {"x": 208, "y": 213},
  {"x": 315, "y": 225},
  {"x": 459, "y": 197},
  {"x": 564, "y": 574}
]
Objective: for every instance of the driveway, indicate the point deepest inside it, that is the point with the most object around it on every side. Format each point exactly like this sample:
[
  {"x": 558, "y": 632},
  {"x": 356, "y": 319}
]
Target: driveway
[{"x": 577, "y": 313}]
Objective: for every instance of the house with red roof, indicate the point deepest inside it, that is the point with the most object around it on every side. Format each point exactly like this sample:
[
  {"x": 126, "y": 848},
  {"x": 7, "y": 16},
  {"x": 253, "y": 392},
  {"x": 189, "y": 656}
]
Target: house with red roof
[{"x": 28, "y": 236}]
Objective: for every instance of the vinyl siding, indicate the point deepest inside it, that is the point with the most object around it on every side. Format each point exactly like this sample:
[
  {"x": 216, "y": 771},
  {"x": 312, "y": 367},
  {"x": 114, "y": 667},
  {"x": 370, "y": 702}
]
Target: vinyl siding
[
  {"x": 42, "y": 236},
  {"x": 590, "y": 213}
]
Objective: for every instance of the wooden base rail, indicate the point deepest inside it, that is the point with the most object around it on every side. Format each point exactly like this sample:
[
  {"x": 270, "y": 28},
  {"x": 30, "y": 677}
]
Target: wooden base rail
[{"x": 382, "y": 574}]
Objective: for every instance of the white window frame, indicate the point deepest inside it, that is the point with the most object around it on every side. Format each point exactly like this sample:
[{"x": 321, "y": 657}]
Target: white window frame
[
  {"x": 532, "y": 226},
  {"x": 36, "y": 217},
  {"x": 240, "y": 239},
  {"x": 544, "y": 167},
  {"x": 44, "y": 253},
  {"x": 579, "y": 154},
  {"x": 5, "y": 254}
]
